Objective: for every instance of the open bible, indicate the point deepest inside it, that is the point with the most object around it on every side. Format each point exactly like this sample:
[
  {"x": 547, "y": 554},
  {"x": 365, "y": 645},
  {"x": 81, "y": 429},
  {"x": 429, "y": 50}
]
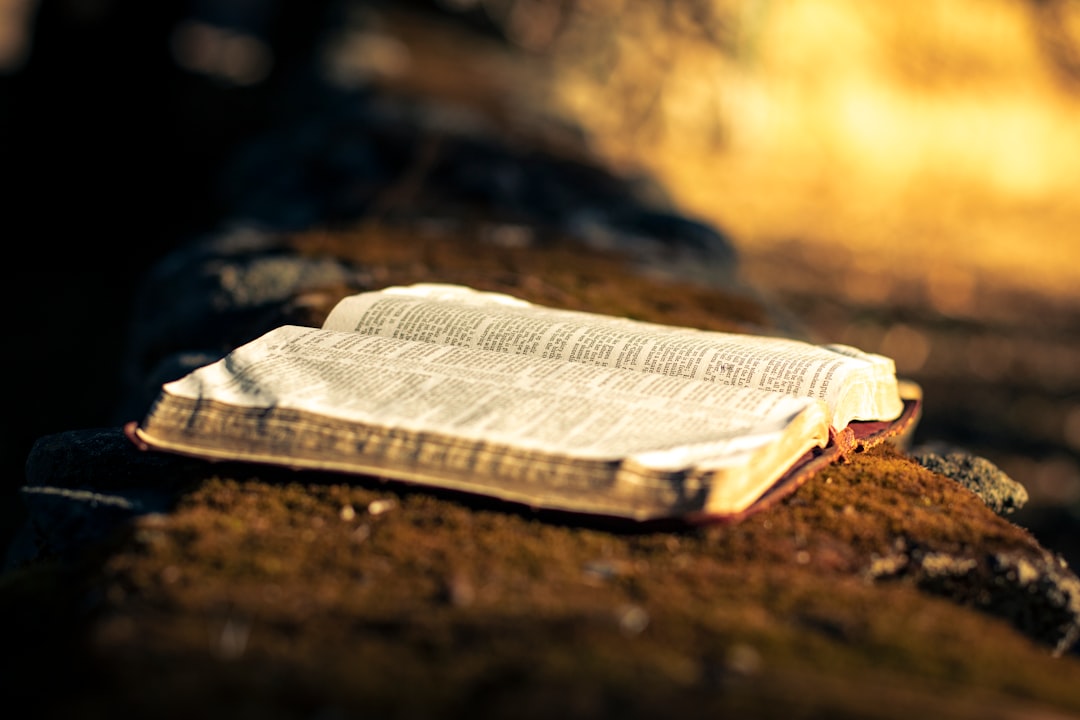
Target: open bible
[{"x": 482, "y": 392}]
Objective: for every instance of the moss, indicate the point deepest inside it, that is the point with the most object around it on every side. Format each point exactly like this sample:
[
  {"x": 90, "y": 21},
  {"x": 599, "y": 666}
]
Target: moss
[
  {"x": 270, "y": 593},
  {"x": 562, "y": 273},
  {"x": 445, "y": 601}
]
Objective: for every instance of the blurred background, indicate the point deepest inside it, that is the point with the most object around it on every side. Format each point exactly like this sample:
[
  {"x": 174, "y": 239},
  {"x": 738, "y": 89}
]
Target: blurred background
[{"x": 902, "y": 176}]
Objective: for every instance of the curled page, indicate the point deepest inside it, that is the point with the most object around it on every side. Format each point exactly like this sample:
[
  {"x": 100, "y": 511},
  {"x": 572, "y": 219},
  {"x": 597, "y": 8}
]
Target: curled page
[{"x": 855, "y": 385}]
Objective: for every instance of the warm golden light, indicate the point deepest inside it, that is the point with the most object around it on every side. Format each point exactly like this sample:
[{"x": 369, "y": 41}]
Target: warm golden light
[{"x": 933, "y": 130}]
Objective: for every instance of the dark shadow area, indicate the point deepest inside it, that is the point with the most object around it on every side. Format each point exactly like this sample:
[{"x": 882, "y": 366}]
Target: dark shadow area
[{"x": 111, "y": 153}]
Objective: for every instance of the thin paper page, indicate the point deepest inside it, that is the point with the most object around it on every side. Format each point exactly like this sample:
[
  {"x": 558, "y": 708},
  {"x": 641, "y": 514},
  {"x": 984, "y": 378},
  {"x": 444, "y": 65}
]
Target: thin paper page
[
  {"x": 461, "y": 316},
  {"x": 566, "y": 408}
]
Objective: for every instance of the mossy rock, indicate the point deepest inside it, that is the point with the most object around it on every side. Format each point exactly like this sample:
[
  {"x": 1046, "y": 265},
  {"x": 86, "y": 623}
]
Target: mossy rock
[
  {"x": 278, "y": 594},
  {"x": 879, "y": 589}
]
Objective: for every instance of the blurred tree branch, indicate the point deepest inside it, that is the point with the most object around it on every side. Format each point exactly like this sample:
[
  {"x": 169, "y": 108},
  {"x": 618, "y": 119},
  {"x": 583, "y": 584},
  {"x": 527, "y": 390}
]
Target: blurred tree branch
[{"x": 1057, "y": 31}]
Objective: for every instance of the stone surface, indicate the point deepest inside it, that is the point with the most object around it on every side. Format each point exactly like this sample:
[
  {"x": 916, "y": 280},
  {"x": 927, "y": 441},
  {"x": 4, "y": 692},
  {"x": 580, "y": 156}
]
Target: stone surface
[
  {"x": 1000, "y": 492},
  {"x": 281, "y": 594},
  {"x": 82, "y": 485},
  {"x": 278, "y": 593}
]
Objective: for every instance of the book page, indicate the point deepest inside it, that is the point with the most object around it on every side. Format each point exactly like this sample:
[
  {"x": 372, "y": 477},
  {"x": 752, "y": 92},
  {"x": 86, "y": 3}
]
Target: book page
[
  {"x": 853, "y": 384},
  {"x": 571, "y": 409}
]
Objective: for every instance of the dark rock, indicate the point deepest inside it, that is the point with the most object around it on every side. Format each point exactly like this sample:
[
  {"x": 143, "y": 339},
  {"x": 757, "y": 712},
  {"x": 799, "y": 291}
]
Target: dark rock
[
  {"x": 102, "y": 458},
  {"x": 359, "y": 156},
  {"x": 1037, "y": 594},
  {"x": 82, "y": 484},
  {"x": 221, "y": 291},
  {"x": 1000, "y": 492}
]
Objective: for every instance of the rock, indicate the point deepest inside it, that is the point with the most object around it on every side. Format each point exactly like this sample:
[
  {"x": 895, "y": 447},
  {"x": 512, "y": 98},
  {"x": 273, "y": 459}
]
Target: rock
[
  {"x": 357, "y": 156},
  {"x": 216, "y": 293},
  {"x": 1000, "y": 492},
  {"x": 82, "y": 484},
  {"x": 1036, "y": 593},
  {"x": 484, "y": 606}
]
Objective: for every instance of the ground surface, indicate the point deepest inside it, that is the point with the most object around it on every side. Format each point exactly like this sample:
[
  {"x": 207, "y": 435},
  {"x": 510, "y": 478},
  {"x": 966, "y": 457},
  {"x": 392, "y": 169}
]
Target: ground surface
[{"x": 283, "y": 594}]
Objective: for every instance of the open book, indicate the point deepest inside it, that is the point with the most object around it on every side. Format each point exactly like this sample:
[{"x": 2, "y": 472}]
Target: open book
[{"x": 485, "y": 393}]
